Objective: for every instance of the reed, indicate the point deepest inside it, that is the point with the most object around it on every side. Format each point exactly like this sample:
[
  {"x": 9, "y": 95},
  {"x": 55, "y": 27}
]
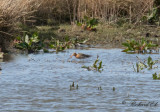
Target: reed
[
  {"x": 31, "y": 11},
  {"x": 12, "y": 11}
]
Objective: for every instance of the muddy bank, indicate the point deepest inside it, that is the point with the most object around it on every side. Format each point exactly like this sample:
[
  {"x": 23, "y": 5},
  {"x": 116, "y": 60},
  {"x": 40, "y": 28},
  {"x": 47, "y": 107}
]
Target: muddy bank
[{"x": 106, "y": 36}]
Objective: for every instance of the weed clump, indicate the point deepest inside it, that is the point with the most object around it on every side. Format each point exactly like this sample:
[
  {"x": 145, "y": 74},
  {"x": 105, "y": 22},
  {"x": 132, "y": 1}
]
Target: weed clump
[
  {"x": 142, "y": 46},
  {"x": 140, "y": 65},
  {"x": 29, "y": 43},
  {"x": 155, "y": 76},
  {"x": 97, "y": 66}
]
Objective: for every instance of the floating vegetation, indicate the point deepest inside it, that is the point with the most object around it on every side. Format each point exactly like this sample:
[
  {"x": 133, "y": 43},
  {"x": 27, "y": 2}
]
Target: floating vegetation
[
  {"x": 150, "y": 63},
  {"x": 114, "y": 88},
  {"x": 100, "y": 88},
  {"x": 155, "y": 76},
  {"x": 77, "y": 86},
  {"x": 29, "y": 43},
  {"x": 89, "y": 24},
  {"x": 140, "y": 65},
  {"x": 142, "y": 46},
  {"x": 72, "y": 86},
  {"x": 97, "y": 66}
]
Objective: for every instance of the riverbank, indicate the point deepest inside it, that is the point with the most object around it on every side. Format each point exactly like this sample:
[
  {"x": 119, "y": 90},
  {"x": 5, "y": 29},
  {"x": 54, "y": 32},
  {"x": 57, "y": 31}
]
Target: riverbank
[
  {"x": 117, "y": 20},
  {"x": 112, "y": 35},
  {"x": 106, "y": 36}
]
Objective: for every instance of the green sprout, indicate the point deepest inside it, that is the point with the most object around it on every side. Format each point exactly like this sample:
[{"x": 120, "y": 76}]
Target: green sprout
[{"x": 97, "y": 66}]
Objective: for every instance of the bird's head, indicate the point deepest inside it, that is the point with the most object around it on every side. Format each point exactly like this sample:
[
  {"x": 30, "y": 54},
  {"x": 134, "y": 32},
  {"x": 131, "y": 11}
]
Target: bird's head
[{"x": 74, "y": 54}]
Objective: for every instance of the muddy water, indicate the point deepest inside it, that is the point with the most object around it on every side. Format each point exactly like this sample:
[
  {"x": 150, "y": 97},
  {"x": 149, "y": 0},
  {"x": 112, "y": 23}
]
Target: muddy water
[{"x": 40, "y": 83}]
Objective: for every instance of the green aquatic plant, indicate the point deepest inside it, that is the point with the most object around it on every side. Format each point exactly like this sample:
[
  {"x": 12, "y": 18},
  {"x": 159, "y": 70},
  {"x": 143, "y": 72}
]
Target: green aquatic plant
[
  {"x": 140, "y": 65},
  {"x": 130, "y": 44},
  {"x": 73, "y": 84},
  {"x": 77, "y": 86},
  {"x": 97, "y": 66},
  {"x": 155, "y": 76},
  {"x": 72, "y": 87},
  {"x": 150, "y": 62},
  {"x": 30, "y": 43},
  {"x": 142, "y": 46},
  {"x": 100, "y": 88},
  {"x": 114, "y": 88},
  {"x": 87, "y": 67}
]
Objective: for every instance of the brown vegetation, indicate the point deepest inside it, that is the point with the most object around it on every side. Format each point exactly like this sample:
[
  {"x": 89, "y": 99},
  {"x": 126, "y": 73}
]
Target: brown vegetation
[{"x": 13, "y": 12}]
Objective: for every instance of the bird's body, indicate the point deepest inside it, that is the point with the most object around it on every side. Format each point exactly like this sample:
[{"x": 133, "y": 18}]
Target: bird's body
[{"x": 80, "y": 55}]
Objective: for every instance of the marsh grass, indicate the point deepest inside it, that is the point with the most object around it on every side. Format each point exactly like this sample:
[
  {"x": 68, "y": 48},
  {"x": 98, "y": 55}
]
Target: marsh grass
[
  {"x": 12, "y": 11},
  {"x": 53, "y": 12},
  {"x": 111, "y": 35}
]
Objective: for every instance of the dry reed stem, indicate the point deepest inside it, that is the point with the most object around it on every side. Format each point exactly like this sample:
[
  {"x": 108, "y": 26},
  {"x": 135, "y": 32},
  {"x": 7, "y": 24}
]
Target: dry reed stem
[{"x": 12, "y": 11}]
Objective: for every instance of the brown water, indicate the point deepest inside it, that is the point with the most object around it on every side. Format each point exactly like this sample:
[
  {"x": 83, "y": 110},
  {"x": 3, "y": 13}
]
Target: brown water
[{"x": 40, "y": 83}]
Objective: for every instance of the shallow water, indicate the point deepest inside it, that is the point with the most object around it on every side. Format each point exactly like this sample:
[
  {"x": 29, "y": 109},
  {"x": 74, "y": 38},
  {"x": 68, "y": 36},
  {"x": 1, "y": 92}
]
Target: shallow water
[{"x": 40, "y": 83}]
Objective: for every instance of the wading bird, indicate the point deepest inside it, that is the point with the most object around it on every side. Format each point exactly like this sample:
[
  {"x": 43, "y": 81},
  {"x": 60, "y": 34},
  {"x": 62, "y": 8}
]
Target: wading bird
[{"x": 80, "y": 55}]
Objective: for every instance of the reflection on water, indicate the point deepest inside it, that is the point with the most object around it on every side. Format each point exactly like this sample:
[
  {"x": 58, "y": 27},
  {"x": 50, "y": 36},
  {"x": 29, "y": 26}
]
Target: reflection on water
[
  {"x": 7, "y": 58},
  {"x": 41, "y": 83},
  {"x": 1, "y": 60}
]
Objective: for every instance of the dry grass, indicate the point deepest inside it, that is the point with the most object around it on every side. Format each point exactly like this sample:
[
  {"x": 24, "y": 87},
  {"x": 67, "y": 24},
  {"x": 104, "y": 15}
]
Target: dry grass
[
  {"x": 24, "y": 10},
  {"x": 109, "y": 36},
  {"x": 13, "y": 11},
  {"x": 133, "y": 10},
  {"x": 29, "y": 11}
]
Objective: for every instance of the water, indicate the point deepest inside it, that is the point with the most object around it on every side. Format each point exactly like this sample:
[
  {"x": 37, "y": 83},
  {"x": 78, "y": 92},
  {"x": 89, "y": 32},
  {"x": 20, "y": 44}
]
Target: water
[{"x": 41, "y": 83}]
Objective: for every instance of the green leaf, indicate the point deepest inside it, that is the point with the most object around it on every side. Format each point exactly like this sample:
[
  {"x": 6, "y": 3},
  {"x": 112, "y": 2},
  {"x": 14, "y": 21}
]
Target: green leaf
[
  {"x": 18, "y": 38},
  {"x": 154, "y": 76},
  {"x": 79, "y": 24},
  {"x": 27, "y": 39},
  {"x": 22, "y": 46},
  {"x": 137, "y": 65},
  {"x": 100, "y": 65},
  {"x": 125, "y": 50},
  {"x": 52, "y": 46},
  {"x": 126, "y": 44},
  {"x": 95, "y": 63}
]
